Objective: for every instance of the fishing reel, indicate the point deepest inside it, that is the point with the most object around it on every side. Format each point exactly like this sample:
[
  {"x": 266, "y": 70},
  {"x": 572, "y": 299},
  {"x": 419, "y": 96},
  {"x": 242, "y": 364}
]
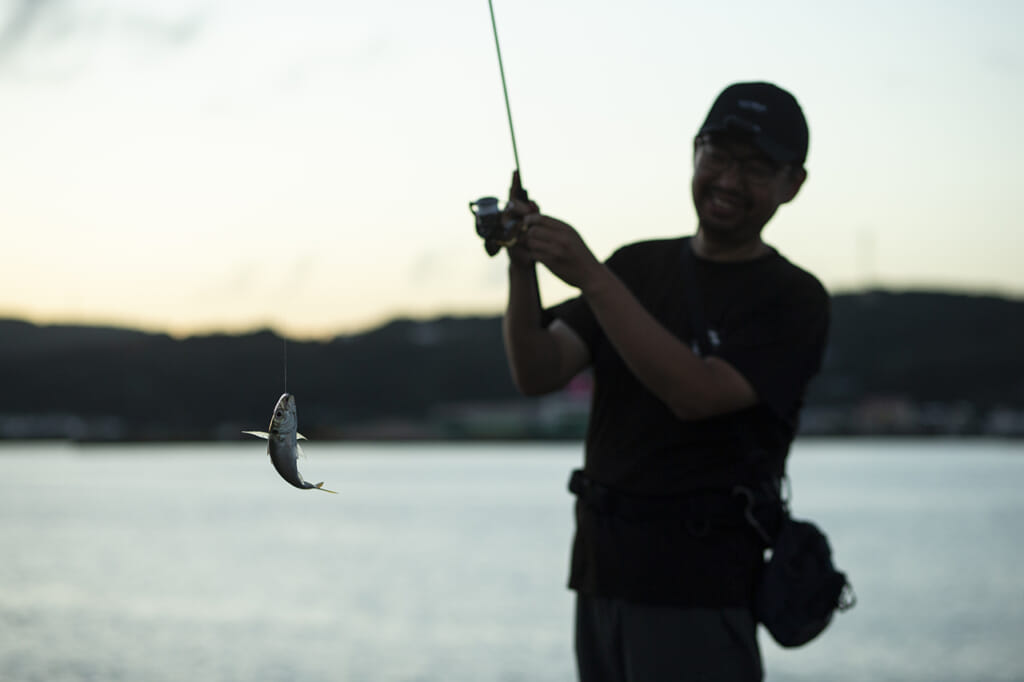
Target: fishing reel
[{"x": 495, "y": 227}]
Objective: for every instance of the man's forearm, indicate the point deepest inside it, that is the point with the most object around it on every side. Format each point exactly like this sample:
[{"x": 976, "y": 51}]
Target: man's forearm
[
  {"x": 691, "y": 386},
  {"x": 531, "y": 351}
]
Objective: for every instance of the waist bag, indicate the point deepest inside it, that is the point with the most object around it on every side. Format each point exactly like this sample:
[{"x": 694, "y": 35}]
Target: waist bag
[{"x": 800, "y": 588}]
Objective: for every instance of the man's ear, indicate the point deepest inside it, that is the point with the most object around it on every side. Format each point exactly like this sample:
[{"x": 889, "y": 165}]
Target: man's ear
[{"x": 794, "y": 181}]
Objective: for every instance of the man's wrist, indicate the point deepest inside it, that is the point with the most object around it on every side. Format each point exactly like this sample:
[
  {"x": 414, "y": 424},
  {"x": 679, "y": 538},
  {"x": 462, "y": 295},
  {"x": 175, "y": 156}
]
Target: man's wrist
[
  {"x": 522, "y": 268},
  {"x": 599, "y": 282}
]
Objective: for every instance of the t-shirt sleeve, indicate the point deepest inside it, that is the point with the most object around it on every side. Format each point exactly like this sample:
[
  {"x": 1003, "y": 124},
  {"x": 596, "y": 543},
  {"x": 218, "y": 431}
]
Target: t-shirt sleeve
[{"x": 576, "y": 312}]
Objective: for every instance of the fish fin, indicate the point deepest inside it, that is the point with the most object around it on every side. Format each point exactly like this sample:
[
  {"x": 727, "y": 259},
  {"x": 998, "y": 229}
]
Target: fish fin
[
  {"x": 320, "y": 486},
  {"x": 299, "y": 452},
  {"x": 299, "y": 436},
  {"x": 259, "y": 434}
]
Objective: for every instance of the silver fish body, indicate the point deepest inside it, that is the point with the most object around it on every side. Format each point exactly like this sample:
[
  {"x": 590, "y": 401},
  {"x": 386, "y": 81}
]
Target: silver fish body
[{"x": 283, "y": 443}]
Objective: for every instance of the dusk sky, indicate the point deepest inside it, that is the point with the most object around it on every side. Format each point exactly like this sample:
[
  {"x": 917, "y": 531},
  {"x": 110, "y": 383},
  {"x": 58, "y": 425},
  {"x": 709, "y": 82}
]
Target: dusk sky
[{"x": 223, "y": 165}]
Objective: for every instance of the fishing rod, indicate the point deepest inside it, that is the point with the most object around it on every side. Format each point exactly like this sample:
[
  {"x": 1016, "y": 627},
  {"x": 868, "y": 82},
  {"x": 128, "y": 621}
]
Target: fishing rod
[
  {"x": 498, "y": 230},
  {"x": 504, "y": 84}
]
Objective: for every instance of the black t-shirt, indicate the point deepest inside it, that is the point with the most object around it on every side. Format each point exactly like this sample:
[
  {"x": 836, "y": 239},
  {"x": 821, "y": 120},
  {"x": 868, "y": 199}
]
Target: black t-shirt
[{"x": 769, "y": 320}]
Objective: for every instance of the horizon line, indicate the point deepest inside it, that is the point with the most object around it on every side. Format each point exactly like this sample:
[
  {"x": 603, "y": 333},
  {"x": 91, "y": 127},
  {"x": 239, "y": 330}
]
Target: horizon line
[{"x": 256, "y": 327}]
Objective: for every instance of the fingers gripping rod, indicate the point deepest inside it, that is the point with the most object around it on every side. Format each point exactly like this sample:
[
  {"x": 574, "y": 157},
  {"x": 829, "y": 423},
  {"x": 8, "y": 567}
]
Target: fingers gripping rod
[{"x": 504, "y": 86}]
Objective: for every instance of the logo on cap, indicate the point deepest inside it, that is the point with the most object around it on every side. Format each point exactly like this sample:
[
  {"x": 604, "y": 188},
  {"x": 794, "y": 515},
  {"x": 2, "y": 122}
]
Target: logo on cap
[{"x": 752, "y": 105}]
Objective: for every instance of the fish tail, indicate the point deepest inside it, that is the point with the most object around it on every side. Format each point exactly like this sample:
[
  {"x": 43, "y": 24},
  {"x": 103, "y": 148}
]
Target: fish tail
[{"x": 320, "y": 486}]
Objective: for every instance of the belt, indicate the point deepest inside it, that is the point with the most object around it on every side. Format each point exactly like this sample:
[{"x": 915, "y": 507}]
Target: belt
[{"x": 700, "y": 510}]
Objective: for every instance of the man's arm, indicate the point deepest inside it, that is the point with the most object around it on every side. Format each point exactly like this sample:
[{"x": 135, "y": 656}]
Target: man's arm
[
  {"x": 541, "y": 359},
  {"x": 692, "y": 387}
]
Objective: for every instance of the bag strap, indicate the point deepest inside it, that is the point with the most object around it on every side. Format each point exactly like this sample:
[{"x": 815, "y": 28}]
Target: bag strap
[
  {"x": 695, "y": 305},
  {"x": 704, "y": 346}
]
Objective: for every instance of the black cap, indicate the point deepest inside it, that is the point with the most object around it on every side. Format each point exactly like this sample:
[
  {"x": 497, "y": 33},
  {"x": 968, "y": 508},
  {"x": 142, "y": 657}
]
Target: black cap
[{"x": 769, "y": 115}]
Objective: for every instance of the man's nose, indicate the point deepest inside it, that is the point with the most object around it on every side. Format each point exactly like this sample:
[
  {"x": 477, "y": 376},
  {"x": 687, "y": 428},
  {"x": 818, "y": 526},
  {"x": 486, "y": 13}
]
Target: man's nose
[{"x": 732, "y": 176}]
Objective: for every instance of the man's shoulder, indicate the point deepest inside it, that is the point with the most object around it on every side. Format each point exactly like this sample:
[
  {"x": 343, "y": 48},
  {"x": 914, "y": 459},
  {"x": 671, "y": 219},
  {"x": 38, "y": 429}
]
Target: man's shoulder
[{"x": 796, "y": 279}]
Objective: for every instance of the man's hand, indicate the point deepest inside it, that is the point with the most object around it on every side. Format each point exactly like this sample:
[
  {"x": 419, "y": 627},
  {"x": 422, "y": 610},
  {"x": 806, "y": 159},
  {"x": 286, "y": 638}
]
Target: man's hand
[
  {"x": 519, "y": 204},
  {"x": 518, "y": 207},
  {"x": 559, "y": 247}
]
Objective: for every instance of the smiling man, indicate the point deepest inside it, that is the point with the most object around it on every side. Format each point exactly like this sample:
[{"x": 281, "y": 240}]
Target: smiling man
[{"x": 701, "y": 349}]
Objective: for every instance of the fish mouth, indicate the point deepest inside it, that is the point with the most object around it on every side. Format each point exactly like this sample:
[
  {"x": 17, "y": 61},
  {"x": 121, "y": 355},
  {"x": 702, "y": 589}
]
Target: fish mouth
[
  {"x": 284, "y": 414},
  {"x": 284, "y": 404}
]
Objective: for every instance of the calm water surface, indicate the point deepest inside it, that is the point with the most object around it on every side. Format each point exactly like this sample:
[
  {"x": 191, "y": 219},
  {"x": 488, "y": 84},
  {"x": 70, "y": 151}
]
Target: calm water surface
[{"x": 448, "y": 562}]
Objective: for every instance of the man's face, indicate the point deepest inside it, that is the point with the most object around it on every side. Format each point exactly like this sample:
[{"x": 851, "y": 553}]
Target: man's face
[{"x": 737, "y": 189}]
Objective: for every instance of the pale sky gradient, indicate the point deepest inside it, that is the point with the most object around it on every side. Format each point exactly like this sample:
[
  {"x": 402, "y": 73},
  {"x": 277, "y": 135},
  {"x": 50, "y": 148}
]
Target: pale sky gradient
[{"x": 223, "y": 165}]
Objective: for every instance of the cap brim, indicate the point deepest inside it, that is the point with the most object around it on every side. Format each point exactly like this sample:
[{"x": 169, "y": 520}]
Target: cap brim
[{"x": 752, "y": 132}]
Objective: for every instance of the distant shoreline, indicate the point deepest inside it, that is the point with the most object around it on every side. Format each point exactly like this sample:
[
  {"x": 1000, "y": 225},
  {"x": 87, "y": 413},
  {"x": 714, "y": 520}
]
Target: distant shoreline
[{"x": 898, "y": 364}]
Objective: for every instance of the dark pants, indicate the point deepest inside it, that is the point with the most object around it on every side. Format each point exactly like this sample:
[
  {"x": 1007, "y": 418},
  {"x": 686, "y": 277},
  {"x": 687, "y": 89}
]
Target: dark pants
[{"x": 620, "y": 641}]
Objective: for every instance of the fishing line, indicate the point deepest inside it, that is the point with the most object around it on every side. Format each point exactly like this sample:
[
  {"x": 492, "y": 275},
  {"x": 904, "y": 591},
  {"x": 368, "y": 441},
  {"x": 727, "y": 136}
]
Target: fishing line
[
  {"x": 284, "y": 341},
  {"x": 504, "y": 85}
]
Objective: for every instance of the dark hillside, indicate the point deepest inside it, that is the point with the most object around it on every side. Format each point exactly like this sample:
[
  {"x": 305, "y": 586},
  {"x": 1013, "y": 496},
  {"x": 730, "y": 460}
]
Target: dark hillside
[
  {"x": 894, "y": 355},
  {"x": 925, "y": 347}
]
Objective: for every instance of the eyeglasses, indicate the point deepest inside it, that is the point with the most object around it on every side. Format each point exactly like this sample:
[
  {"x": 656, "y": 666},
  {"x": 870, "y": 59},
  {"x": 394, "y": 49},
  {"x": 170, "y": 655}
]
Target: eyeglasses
[{"x": 756, "y": 169}]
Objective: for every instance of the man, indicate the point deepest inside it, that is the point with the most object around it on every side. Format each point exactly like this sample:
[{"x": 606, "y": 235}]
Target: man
[{"x": 701, "y": 350}]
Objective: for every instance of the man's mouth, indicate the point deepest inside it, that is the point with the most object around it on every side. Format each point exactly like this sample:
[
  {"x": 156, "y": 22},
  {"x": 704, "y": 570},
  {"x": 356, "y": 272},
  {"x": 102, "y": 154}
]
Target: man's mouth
[
  {"x": 725, "y": 206},
  {"x": 728, "y": 202}
]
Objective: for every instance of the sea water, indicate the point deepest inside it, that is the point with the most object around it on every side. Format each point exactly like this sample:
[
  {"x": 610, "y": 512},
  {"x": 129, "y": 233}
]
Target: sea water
[{"x": 447, "y": 562}]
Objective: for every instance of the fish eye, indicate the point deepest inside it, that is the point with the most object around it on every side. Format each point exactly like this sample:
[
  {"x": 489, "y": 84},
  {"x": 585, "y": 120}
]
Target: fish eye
[{"x": 278, "y": 414}]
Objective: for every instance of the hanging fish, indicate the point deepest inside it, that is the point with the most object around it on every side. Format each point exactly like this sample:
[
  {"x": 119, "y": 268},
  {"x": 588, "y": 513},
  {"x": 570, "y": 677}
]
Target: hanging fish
[{"x": 283, "y": 446}]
